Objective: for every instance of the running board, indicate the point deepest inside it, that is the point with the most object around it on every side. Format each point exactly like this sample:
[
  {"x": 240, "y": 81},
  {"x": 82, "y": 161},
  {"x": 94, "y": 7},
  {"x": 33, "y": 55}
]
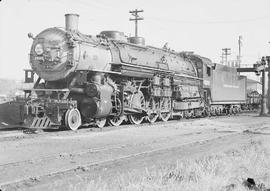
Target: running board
[{"x": 135, "y": 111}]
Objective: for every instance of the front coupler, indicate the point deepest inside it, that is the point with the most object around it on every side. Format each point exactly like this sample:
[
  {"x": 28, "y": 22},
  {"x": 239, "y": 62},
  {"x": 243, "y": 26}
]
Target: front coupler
[{"x": 46, "y": 113}]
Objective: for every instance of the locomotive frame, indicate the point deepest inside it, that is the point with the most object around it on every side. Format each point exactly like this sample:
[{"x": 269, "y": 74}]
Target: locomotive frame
[{"x": 87, "y": 79}]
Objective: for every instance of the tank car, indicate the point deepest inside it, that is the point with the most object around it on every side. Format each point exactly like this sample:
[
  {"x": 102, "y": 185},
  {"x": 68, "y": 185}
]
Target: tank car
[
  {"x": 253, "y": 96},
  {"x": 84, "y": 79},
  {"x": 254, "y": 99}
]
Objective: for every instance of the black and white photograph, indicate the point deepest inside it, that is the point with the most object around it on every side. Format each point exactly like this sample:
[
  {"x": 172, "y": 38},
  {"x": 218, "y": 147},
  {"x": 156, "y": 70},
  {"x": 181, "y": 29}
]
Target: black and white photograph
[{"x": 134, "y": 95}]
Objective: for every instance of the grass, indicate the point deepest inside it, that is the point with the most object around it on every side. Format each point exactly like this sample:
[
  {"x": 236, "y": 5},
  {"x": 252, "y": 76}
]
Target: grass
[{"x": 222, "y": 172}]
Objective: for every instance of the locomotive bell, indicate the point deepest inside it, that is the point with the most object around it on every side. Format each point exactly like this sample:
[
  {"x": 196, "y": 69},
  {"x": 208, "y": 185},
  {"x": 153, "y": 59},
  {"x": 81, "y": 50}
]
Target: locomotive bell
[{"x": 72, "y": 21}]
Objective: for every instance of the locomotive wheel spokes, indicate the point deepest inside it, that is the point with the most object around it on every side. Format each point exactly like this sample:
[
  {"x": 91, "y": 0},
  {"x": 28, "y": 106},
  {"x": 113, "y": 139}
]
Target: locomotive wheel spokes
[
  {"x": 117, "y": 108},
  {"x": 165, "y": 116},
  {"x": 138, "y": 102},
  {"x": 100, "y": 122},
  {"x": 73, "y": 119},
  {"x": 116, "y": 121},
  {"x": 165, "y": 107},
  {"x": 135, "y": 119},
  {"x": 152, "y": 115}
]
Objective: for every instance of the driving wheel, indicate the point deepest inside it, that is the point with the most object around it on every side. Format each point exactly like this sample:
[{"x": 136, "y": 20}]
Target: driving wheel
[
  {"x": 116, "y": 121},
  {"x": 151, "y": 114},
  {"x": 138, "y": 102},
  {"x": 165, "y": 109}
]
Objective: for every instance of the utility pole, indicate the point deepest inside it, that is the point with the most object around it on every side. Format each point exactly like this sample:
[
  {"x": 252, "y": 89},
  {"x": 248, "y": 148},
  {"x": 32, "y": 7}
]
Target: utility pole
[
  {"x": 239, "y": 51},
  {"x": 263, "y": 109},
  {"x": 261, "y": 67},
  {"x": 225, "y": 53},
  {"x": 268, "y": 89},
  {"x": 136, "y": 19}
]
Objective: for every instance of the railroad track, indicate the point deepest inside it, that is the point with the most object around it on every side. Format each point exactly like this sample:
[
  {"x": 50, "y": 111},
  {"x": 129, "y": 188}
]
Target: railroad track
[
  {"x": 108, "y": 149},
  {"x": 38, "y": 132},
  {"x": 83, "y": 167}
]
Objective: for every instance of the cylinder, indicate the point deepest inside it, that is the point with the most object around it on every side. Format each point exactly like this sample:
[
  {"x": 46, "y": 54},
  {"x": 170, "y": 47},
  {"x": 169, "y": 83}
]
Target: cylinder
[{"x": 72, "y": 22}]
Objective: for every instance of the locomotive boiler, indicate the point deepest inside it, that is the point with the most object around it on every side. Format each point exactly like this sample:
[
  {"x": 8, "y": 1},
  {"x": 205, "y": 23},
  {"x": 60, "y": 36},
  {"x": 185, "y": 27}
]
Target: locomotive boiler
[{"x": 84, "y": 79}]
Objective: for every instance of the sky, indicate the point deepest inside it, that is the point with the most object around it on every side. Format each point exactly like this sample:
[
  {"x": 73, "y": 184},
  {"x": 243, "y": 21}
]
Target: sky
[{"x": 202, "y": 26}]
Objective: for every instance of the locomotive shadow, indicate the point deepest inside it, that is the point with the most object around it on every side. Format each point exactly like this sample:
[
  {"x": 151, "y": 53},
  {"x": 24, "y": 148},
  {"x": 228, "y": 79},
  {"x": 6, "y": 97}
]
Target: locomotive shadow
[
  {"x": 10, "y": 116},
  {"x": 10, "y": 119},
  {"x": 12, "y": 128},
  {"x": 263, "y": 115}
]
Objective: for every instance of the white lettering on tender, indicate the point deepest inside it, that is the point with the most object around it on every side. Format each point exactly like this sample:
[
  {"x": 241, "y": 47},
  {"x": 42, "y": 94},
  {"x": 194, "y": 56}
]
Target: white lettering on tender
[{"x": 230, "y": 86}]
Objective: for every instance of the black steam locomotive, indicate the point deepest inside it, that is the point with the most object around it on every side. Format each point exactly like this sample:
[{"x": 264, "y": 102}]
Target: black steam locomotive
[{"x": 85, "y": 79}]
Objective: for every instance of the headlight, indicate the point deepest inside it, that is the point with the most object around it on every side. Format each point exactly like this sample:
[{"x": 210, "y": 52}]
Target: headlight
[{"x": 39, "y": 49}]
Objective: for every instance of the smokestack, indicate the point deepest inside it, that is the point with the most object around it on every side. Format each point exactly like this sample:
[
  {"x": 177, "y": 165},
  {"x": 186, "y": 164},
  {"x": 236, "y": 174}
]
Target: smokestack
[{"x": 72, "y": 22}]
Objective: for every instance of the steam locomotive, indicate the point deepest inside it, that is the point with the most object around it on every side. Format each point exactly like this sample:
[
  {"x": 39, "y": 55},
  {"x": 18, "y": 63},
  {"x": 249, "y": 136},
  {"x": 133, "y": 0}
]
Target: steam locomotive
[{"x": 110, "y": 78}]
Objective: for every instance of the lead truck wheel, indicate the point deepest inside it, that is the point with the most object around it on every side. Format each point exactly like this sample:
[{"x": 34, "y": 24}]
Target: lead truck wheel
[
  {"x": 101, "y": 122},
  {"x": 73, "y": 119}
]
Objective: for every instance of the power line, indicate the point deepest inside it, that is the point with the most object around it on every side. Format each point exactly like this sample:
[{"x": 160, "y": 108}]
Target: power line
[
  {"x": 85, "y": 4},
  {"x": 136, "y": 19},
  {"x": 212, "y": 22},
  {"x": 225, "y": 53},
  {"x": 239, "y": 50}
]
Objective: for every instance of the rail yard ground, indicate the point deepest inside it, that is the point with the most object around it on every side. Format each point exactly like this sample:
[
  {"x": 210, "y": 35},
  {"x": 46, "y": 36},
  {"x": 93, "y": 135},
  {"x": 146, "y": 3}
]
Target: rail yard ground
[{"x": 216, "y": 153}]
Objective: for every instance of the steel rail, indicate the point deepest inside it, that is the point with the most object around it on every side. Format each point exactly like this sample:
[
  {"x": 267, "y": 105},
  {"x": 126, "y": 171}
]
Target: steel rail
[{"x": 116, "y": 159}]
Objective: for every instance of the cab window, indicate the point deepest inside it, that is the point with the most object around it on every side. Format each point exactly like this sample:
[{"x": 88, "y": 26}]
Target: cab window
[{"x": 208, "y": 71}]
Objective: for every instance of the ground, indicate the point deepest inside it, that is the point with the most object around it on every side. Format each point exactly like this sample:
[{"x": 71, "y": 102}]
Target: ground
[{"x": 124, "y": 158}]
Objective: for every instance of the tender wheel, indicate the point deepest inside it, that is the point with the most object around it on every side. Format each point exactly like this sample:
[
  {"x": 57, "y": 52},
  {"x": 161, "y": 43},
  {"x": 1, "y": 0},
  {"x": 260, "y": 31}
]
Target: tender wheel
[
  {"x": 165, "y": 107},
  {"x": 73, "y": 119},
  {"x": 116, "y": 121},
  {"x": 189, "y": 114},
  {"x": 218, "y": 112},
  {"x": 152, "y": 107},
  {"x": 101, "y": 122},
  {"x": 230, "y": 111},
  {"x": 234, "y": 111},
  {"x": 212, "y": 112}
]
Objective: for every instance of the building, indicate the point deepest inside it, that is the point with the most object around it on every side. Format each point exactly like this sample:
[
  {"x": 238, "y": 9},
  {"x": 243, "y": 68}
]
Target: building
[{"x": 253, "y": 85}]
